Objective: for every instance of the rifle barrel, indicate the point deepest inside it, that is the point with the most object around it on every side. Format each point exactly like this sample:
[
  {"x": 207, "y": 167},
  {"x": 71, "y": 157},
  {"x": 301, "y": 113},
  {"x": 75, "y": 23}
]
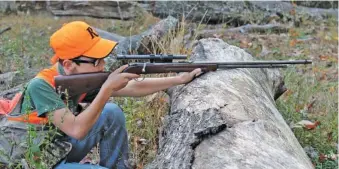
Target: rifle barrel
[
  {"x": 251, "y": 66},
  {"x": 265, "y": 62}
]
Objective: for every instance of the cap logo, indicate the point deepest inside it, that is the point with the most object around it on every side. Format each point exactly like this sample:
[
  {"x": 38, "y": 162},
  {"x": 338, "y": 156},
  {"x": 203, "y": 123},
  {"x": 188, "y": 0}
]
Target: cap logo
[{"x": 92, "y": 33}]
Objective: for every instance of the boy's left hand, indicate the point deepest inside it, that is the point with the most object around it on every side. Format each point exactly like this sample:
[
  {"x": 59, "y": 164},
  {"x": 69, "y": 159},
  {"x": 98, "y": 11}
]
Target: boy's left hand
[{"x": 187, "y": 77}]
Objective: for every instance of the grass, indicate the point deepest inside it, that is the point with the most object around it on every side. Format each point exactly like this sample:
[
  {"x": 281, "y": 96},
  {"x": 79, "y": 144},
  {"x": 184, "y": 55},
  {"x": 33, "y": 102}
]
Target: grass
[
  {"x": 26, "y": 45},
  {"x": 315, "y": 88}
]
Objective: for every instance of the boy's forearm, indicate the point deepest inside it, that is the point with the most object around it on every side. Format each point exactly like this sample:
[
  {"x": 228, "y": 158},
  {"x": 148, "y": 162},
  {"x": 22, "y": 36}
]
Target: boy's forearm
[
  {"x": 147, "y": 86},
  {"x": 78, "y": 126}
]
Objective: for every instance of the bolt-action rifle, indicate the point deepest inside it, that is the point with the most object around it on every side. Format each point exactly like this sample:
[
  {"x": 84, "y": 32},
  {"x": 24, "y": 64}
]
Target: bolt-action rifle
[{"x": 82, "y": 83}]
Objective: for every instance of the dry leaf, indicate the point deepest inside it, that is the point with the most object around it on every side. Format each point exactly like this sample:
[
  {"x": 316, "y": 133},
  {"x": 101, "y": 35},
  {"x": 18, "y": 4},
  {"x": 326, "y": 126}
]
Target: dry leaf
[
  {"x": 307, "y": 124},
  {"x": 323, "y": 57},
  {"x": 322, "y": 157},
  {"x": 142, "y": 141},
  {"x": 244, "y": 43},
  {"x": 135, "y": 142},
  {"x": 315, "y": 69},
  {"x": 332, "y": 156},
  {"x": 329, "y": 136},
  {"x": 310, "y": 105},
  {"x": 140, "y": 166},
  {"x": 323, "y": 76},
  {"x": 293, "y": 42},
  {"x": 332, "y": 89},
  {"x": 217, "y": 35},
  {"x": 293, "y": 33},
  {"x": 288, "y": 92},
  {"x": 297, "y": 52},
  {"x": 292, "y": 11}
]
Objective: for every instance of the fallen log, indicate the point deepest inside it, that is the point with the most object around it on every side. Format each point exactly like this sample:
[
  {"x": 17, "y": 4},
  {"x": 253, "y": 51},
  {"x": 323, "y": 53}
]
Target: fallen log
[
  {"x": 235, "y": 13},
  {"x": 286, "y": 7},
  {"x": 277, "y": 28},
  {"x": 227, "y": 118},
  {"x": 97, "y": 9}
]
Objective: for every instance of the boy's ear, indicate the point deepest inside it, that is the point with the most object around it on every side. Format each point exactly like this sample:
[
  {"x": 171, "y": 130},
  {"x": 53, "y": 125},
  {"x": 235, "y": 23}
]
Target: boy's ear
[{"x": 68, "y": 64}]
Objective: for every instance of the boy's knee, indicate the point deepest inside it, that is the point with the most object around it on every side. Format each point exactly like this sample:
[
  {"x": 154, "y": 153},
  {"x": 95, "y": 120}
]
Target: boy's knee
[{"x": 114, "y": 113}]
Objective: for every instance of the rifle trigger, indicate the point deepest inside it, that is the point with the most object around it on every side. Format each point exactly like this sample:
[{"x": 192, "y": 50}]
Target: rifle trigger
[{"x": 144, "y": 68}]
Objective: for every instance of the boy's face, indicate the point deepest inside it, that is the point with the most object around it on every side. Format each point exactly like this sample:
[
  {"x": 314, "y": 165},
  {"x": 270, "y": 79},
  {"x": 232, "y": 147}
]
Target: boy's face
[{"x": 86, "y": 65}]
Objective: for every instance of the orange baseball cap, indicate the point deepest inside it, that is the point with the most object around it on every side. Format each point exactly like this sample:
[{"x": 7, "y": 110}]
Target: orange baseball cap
[{"x": 78, "y": 38}]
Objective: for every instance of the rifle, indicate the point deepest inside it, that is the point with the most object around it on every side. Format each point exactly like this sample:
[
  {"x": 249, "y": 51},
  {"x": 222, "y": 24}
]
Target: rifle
[{"x": 82, "y": 83}]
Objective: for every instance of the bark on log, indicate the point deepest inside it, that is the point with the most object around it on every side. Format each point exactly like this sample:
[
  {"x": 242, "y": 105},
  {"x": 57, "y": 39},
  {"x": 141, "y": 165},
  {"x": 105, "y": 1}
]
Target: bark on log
[
  {"x": 278, "y": 28},
  {"x": 227, "y": 119},
  {"x": 98, "y": 9},
  {"x": 144, "y": 43},
  {"x": 285, "y": 8}
]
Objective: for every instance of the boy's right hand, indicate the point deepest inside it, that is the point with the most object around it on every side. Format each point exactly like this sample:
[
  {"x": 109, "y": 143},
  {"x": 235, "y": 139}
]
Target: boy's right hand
[{"x": 118, "y": 80}]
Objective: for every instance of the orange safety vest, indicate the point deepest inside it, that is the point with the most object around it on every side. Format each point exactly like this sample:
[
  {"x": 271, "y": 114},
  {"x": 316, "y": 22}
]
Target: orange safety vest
[{"x": 7, "y": 106}]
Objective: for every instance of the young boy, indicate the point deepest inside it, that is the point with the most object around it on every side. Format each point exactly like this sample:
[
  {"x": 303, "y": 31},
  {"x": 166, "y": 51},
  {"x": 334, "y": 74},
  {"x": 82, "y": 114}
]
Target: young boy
[{"x": 79, "y": 49}]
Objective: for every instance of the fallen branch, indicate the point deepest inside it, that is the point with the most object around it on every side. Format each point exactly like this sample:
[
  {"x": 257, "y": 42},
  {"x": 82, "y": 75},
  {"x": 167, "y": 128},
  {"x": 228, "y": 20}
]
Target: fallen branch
[
  {"x": 4, "y": 30},
  {"x": 9, "y": 80},
  {"x": 10, "y": 93},
  {"x": 246, "y": 29}
]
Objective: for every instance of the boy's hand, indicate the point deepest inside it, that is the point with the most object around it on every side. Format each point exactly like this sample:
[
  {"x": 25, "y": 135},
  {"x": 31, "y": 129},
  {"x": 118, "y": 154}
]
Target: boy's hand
[
  {"x": 117, "y": 80},
  {"x": 188, "y": 76}
]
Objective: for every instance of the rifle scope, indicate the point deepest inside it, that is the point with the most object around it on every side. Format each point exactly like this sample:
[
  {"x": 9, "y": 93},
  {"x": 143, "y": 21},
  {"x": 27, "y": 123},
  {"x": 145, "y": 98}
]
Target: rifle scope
[{"x": 152, "y": 57}]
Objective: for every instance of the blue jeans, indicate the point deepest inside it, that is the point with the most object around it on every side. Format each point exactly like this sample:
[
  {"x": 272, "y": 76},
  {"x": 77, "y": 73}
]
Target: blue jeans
[{"x": 111, "y": 134}]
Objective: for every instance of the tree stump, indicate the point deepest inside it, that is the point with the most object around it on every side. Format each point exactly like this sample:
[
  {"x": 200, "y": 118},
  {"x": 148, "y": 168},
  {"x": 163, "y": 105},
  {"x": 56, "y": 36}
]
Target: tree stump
[{"x": 227, "y": 118}]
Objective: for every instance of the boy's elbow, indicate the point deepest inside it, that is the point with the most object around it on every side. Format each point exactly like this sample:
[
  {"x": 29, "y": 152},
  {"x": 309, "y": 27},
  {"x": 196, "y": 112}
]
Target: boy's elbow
[
  {"x": 78, "y": 133},
  {"x": 79, "y": 136}
]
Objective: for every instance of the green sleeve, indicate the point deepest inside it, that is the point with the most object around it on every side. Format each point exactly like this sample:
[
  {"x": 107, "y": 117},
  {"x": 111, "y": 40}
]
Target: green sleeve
[{"x": 42, "y": 97}]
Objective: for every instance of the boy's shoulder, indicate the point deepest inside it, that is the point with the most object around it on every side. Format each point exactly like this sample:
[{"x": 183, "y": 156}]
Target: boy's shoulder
[{"x": 37, "y": 83}]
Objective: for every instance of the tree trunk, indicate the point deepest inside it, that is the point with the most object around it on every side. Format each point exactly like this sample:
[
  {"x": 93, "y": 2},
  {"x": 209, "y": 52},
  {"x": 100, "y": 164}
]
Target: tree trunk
[{"x": 227, "y": 118}]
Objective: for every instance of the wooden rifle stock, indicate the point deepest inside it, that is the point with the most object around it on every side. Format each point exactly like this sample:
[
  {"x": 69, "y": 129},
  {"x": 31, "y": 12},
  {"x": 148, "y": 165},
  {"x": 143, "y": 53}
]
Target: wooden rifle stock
[{"x": 73, "y": 85}]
